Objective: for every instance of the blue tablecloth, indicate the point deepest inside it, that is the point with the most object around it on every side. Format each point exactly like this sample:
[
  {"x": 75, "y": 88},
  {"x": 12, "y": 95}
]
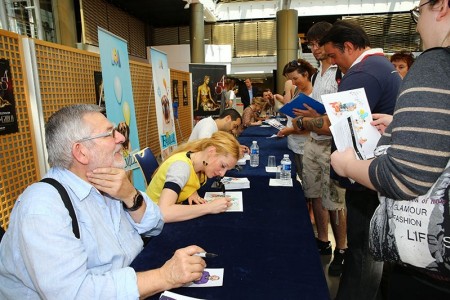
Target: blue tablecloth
[
  {"x": 267, "y": 252},
  {"x": 258, "y": 131},
  {"x": 267, "y": 146}
]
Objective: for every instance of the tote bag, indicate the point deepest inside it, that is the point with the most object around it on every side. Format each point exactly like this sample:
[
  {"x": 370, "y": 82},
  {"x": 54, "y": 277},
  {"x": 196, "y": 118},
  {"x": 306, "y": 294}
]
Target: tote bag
[{"x": 415, "y": 232}]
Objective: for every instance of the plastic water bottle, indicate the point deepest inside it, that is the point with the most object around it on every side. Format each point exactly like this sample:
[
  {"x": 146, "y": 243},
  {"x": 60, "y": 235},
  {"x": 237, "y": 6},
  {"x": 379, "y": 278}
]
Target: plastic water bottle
[
  {"x": 254, "y": 154},
  {"x": 285, "y": 168}
]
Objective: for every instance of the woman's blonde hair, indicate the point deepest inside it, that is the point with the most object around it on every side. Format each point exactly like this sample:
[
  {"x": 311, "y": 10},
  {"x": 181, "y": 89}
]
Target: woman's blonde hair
[
  {"x": 259, "y": 101},
  {"x": 224, "y": 142}
]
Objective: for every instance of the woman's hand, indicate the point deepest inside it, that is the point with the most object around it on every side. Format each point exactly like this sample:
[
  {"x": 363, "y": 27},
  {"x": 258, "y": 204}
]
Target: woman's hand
[
  {"x": 381, "y": 121},
  {"x": 196, "y": 199},
  {"x": 308, "y": 112},
  {"x": 243, "y": 149},
  {"x": 340, "y": 161},
  {"x": 283, "y": 132},
  {"x": 219, "y": 204}
]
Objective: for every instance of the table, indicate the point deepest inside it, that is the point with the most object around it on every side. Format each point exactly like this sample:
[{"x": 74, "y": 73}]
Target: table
[
  {"x": 259, "y": 131},
  {"x": 267, "y": 146},
  {"x": 267, "y": 252}
]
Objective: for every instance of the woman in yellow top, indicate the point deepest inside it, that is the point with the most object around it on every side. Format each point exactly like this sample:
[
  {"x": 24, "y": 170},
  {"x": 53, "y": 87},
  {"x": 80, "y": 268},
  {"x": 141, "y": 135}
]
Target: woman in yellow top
[{"x": 182, "y": 174}]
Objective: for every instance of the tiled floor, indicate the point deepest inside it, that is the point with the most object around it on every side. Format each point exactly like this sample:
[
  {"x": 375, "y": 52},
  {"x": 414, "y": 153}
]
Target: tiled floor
[{"x": 332, "y": 282}]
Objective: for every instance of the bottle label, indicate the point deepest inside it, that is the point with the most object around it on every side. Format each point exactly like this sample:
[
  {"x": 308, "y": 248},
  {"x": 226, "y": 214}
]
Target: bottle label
[
  {"x": 286, "y": 167},
  {"x": 254, "y": 151}
]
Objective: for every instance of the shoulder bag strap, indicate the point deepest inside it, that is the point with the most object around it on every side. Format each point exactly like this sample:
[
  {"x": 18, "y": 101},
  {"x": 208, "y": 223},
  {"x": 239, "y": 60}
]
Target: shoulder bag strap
[{"x": 68, "y": 204}]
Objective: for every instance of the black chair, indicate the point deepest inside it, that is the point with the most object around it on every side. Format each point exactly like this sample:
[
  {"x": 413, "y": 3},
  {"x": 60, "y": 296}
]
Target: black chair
[
  {"x": 148, "y": 165},
  {"x": 147, "y": 162},
  {"x": 2, "y": 232}
]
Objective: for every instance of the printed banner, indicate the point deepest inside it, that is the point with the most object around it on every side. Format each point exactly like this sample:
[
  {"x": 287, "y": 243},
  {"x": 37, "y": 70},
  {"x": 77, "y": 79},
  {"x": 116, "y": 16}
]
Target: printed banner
[
  {"x": 185, "y": 94},
  {"x": 8, "y": 117},
  {"x": 207, "y": 85},
  {"x": 99, "y": 91},
  {"x": 119, "y": 97},
  {"x": 163, "y": 98}
]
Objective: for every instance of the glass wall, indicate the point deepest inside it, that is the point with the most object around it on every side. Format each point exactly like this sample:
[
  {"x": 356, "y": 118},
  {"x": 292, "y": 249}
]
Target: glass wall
[{"x": 33, "y": 18}]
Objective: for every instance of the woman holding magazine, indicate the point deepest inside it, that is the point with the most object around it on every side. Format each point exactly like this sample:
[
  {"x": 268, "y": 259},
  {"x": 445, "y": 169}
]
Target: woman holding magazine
[
  {"x": 186, "y": 170},
  {"x": 299, "y": 72},
  {"x": 412, "y": 155}
]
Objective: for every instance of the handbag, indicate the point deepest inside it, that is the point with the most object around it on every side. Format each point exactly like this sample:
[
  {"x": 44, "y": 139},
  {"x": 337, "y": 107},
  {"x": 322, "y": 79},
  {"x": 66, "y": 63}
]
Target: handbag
[{"x": 415, "y": 232}]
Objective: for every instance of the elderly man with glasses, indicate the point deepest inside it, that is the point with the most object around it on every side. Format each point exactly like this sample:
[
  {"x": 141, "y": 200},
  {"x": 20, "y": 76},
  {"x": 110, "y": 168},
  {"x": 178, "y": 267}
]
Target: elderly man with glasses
[{"x": 43, "y": 257}]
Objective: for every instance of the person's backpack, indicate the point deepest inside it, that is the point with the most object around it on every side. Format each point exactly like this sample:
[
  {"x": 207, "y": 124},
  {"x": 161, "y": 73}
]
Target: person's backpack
[{"x": 337, "y": 77}]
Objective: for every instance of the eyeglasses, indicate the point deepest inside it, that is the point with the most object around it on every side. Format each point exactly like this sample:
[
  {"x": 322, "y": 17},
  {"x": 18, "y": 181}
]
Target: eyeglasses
[
  {"x": 415, "y": 12},
  {"x": 112, "y": 133},
  {"x": 313, "y": 45}
]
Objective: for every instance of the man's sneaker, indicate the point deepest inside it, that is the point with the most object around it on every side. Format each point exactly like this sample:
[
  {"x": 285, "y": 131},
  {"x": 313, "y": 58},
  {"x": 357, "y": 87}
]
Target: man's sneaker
[
  {"x": 324, "y": 247},
  {"x": 336, "y": 266}
]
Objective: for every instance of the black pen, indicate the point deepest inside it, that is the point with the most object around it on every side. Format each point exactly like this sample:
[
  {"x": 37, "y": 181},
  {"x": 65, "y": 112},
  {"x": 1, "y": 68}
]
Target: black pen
[
  {"x": 206, "y": 254},
  {"x": 223, "y": 188}
]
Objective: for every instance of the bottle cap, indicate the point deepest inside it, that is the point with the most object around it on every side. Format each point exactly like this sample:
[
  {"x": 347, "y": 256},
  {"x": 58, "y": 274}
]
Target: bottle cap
[
  {"x": 286, "y": 155},
  {"x": 254, "y": 142}
]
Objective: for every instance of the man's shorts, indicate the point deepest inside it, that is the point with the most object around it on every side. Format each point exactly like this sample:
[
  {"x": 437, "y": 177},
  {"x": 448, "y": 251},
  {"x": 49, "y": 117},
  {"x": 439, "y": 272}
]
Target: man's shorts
[{"x": 316, "y": 175}]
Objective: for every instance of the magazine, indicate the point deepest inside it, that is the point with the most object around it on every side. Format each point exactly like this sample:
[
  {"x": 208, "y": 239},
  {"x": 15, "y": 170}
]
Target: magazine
[
  {"x": 350, "y": 117},
  {"x": 298, "y": 102}
]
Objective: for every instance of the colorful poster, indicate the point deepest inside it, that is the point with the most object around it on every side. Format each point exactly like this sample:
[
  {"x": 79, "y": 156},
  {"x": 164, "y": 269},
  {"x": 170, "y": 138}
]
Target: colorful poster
[
  {"x": 175, "y": 97},
  {"x": 8, "y": 117},
  {"x": 185, "y": 94},
  {"x": 118, "y": 95},
  {"x": 99, "y": 91},
  {"x": 207, "y": 85},
  {"x": 163, "y": 99}
]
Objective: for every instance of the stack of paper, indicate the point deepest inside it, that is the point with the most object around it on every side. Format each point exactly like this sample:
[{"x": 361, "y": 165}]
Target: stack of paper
[
  {"x": 243, "y": 160},
  {"x": 275, "y": 123},
  {"x": 233, "y": 183},
  {"x": 280, "y": 182}
]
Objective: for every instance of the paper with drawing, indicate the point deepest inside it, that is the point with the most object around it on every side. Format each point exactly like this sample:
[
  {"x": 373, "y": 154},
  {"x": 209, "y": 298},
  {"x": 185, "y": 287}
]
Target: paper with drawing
[
  {"x": 236, "y": 200},
  {"x": 350, "y": 117},
  {"x": 210, "y": 277}
]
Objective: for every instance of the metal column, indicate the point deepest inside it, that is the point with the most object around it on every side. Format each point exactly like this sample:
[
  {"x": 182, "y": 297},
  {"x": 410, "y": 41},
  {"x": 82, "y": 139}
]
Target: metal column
[
  {"x": 287, "y": 42},
  {"x": 197, "y": 34}
]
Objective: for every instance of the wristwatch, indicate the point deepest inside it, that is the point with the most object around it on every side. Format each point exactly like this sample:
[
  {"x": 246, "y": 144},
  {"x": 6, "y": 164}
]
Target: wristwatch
[
  {"x": 300, "y": 123},
  {"x": 137, "y": 202}
]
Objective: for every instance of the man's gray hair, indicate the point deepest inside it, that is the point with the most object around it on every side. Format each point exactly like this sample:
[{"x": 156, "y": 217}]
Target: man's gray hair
[{"x": 65, "y": 127}]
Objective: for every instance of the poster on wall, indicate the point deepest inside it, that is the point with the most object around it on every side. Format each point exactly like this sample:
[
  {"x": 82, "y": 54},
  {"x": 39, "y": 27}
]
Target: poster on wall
[
  {"x": 119, "y": 97},
  {"x": 163, "y": 102},
  {"x": 8, "y": 117},
  {"x": 175, "y": 91},
  {"x": 207, "y": 86},
  {"x": 185, "y": 94},
  {"x": 99, "y": 91}
]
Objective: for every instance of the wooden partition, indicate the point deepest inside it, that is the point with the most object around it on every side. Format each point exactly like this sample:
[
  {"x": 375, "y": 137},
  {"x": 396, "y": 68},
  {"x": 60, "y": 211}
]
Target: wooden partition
[
  {"x": 184, "y": 112},
  {"x": 65, "y": 77},
  {"x": 18, "y": 161}
]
